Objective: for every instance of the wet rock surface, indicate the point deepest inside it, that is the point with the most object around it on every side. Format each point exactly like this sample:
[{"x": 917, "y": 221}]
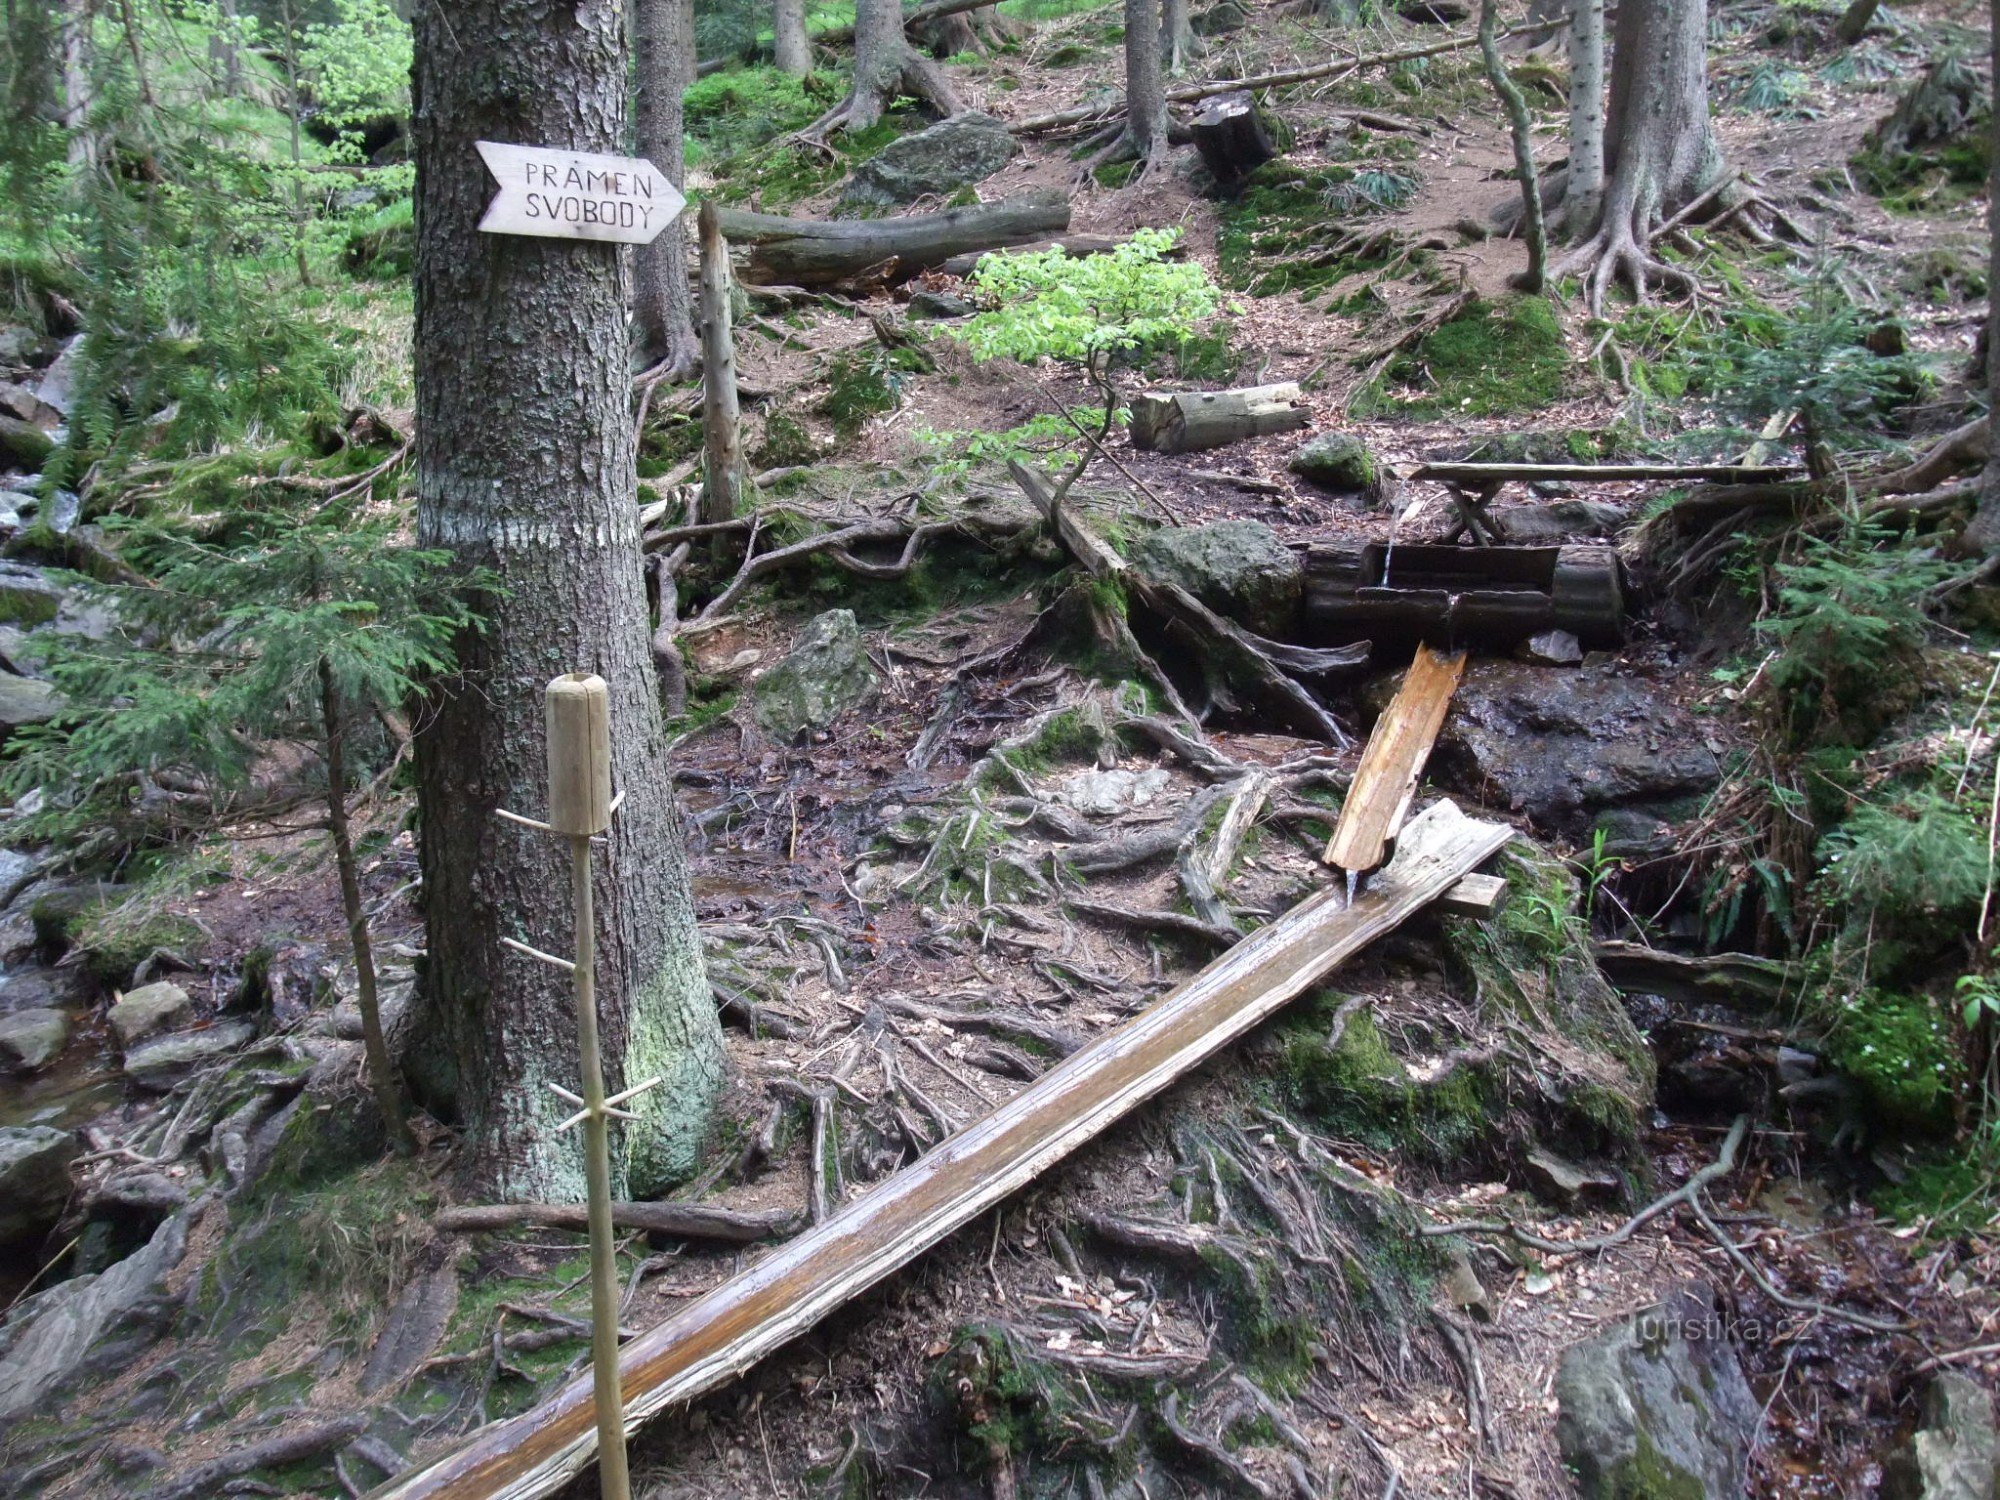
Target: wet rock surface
[
  {"x": 1954, "y": 1453},
  {"x": 1556, "y": 742},
  {"x": 951, "y": 154},
  {"x": 34, "y": 1180},
  {"x": 1336, "y": 461},
  {"x": 1237, "y": 568},
  {"x": 165, "y": 1061},
  {"x": 149, "y": 1010},
  {"x": 825, "y": 674},
  {"x": 1657, "y": 1406},
  {"x": 31, "y": 1039}
]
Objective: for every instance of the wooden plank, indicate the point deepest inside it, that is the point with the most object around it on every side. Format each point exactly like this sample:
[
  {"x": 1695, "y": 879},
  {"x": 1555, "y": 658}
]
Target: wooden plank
[
  {"x": 1468, "y": 473},
  {"x": 1386, "y": 779},
  {"x": 1475, "y": 896},
  {"x": 717, "y": 1337}
]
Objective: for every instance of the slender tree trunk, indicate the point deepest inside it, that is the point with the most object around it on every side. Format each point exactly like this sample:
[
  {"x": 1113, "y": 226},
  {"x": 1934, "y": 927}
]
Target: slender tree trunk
[
  {"x": 1145, "y": 87},
  {"x": 1583, "y": 188},
  {"x": 1177, "y": 39},
  {"x": 1660, "y": 147},
  {"x": 382, "y": 1076},
  {"x": 663, "y": 62},
  {"x": 1984, "y": 531},
  {"x": 76, "y": 85},
  {"x": 726, "y": 478},
  {"x": 1523, "y": 132},
  {"x": 789, "y": 47},
  {"x": 1855, "y": 20},
  {"x": 525, "y": 465},
  {"x": 886, "y": 67}
]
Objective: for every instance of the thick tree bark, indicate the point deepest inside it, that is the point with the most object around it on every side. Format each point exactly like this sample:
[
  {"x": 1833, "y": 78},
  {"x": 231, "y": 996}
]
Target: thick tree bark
[
  {"x": 1145, "y": 86},
  {"x": 790, "y": 49},
  {"x": 1660, "y": 148},
  {"x": 886, "y": 67},
  {"x": 1583, "y": 188},
  {"x": 663, "y": 62},
  {"x": 525, "y": 465},
  {"x": 1984, "y": 531}
]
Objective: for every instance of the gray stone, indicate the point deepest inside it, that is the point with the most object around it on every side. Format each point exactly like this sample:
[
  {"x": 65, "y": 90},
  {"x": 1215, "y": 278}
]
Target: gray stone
[
  {"x": 1102, "y": 794},
  {"x": 1552, "y": 648},
  {"x": 1952, "y": 1454},
  {"x": 1657, "y": 1406},
  {"x": 952, "y": 154},
  {"x": 59, "y": 380},
  {"x": 32, "y": 1039},
  {"x": 1336, "y": 461},
  {"x": 1237, "y": 568},
  {"x": 1554, "y": 742},
  {"x": 1221, "y": 19},
  {"x": 23, "y": 445},
  {"x": 1559, "y": 520},
  {"x": 61, "y": 511},
  {"x": 25, "y": 701},
  {"x": 163, "y": 1062},
  {"x": 37, "y": 988},
  {"x": 826, "y": 673},
  {"x": 27, "y": 595},
  {"x": 1563, "y": 1181},
  {"x": 149, "y": 1010},
  {"x": 22, "y": 346},
  {"x": 88, "y": 1323},
  {"x": 34, "y": 1180},
  {"x": 940, "y": 305},
  {"x": 18, "y": 870}
]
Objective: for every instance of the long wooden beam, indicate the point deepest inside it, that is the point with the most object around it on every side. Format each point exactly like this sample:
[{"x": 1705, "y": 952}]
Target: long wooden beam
[{"x": 792, "y": 1288}]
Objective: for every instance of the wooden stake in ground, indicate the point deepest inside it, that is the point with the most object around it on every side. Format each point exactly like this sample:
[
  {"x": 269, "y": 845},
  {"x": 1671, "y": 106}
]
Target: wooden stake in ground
[
  {"x": 1386, "y": 779},
  {"x": 578, "y": 717},
  {"x": 712, "y": 1340},
  {"x": 727, "y": 478}
]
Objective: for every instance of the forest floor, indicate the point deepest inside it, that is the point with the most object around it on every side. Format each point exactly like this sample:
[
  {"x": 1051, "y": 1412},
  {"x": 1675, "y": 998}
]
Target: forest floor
[{"x": 897, "y": 920}]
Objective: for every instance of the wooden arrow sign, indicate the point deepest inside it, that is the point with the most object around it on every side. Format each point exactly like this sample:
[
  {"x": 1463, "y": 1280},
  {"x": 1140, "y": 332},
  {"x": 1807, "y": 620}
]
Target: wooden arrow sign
[{"x": 577, "y": 195}]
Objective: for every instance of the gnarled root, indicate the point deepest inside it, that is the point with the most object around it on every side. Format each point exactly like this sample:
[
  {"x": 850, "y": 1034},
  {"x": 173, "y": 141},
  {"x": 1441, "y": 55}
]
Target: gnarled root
[
  {"x": 1618, "y": 251},
  {"x": 910, "y": 74}
]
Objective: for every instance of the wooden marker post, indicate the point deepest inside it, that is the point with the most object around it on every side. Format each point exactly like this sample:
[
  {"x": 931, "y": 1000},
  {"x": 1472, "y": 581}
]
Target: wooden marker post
[{"x": 581, "y": 805}]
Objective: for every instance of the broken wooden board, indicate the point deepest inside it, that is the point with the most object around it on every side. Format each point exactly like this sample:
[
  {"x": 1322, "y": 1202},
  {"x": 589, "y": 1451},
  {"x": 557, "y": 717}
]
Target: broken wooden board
[
  {"x": 1386, "y": 779},
  {"x": 1479, "y": 896},
  {"x": 719, "y": 1336}
]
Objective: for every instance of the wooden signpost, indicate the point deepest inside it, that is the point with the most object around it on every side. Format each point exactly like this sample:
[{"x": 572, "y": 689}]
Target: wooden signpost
[
  {"x": 578, "y": 720},
  {"x": 577, "y": 195}
]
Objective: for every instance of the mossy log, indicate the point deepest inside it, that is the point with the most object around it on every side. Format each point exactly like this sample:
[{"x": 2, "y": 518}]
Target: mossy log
[
  {"x": 810, "y": 252},
  {"x": 1186, "y": 421}
]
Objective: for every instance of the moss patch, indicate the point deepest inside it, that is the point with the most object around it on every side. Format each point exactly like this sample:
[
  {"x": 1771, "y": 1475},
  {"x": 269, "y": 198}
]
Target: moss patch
[{"x": 1494, "y": 359}]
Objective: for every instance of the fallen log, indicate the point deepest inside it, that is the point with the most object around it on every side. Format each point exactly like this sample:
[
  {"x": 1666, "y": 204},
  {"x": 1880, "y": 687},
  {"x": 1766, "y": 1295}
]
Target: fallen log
[
  {"x": 686, "y": 1221},
  {"x": 1476, "y": 474},
  {"x": 1379, "y": 797},
  {"x": 1185, "y": 421},
  {"x": 812, "y": 252},
  {"x": 711, "y": 1340},
  {"x": 1230, "y": 134}
]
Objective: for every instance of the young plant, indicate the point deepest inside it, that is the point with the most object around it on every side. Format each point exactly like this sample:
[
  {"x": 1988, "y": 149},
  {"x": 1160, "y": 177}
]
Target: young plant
[
  {"x": 299, "y": 632},
  {"x": 1087, "y": 311}
]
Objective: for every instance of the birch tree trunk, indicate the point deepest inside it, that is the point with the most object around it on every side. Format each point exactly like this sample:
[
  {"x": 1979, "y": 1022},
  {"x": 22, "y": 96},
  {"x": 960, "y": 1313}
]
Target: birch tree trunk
[
  {"x": 663, "y": 62},
  {"x": 1145, "y": 87},
  {"x": 790, "y": 49},
  {"x": 525, "y": 466},
  {"x": 1583, "y": 190}
]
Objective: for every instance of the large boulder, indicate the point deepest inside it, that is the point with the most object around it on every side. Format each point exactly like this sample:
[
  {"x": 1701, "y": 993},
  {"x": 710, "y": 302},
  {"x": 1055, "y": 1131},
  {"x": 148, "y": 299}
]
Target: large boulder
[
  {"x": 31, "y": 1039},
  {"x": 25, "y": 701},
  {"x": 34, "y": 1180},
  {"x": 952, "y": 154},
  {"x": 149, "y": 1010},
  {"x": 1337, "y": 461},
  {"x": 1556, "y": 742},
  {"x": 163, "y": 1062},
  {"x": 89, "y": 1323},
  {"x": 1952, "y": 1454},
  {"x": 1656, "y": 1408},
  {"x": 826, "y": 673},
  {"x": 1237, "y": 568}
]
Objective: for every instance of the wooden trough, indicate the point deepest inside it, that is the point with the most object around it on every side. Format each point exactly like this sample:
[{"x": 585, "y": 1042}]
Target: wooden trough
[
  {"x": 1448, "y": 597},
  {"x": 712, "y": 1340}
]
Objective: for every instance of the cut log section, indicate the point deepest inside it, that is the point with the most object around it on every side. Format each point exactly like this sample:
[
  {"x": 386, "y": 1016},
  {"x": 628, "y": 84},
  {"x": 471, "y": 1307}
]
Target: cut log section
[
  {"x": 1386, "y": 780},
  {"x": 1492, "y": 596},
  {"x": 1185, "y": 421},
  {"x": 1230, "y": 133},
  {"x": 811, "y": 252},
  {"x": 709, "y": 1341}
]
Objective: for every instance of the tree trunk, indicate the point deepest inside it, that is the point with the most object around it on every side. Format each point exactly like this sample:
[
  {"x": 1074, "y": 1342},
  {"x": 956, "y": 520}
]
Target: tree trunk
[
  {"x": 816, "y": 252},
  {"x": 790, "y": 49},
  {"x": 1523, "y": 133},
  {"x": 725, "y": 478},
  {"x": 1984, "y": 530},
  {"x": 1583, "y": 188},
  {"x": 1855, "y": 20},
  {"x": 886, "y": 67},
  {"x": 1177, "y": 38},
  {"x": 1230, "y": 133},
  {"x": 663, "y": 62},
  {"x": 525, "y": 465},
  {"x": 381, "y": 1072},
  {"x": 1660, "y": 148},
  {"x": 1145, "y": 87}
]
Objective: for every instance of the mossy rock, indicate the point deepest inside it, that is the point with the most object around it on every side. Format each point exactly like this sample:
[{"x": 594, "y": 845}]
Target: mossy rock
[
  {"x": 1237, "y": 568},
  {"x": 826, "y": 673},
  {"x": 1337, "y": 461},
  {"x": 23, "y": 445},
  {"x": 788, "y": 443}
]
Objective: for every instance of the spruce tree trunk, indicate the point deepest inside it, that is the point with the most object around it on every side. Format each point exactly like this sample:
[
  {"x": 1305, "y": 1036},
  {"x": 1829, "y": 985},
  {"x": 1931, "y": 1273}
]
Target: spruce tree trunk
[
  {"x": 790, "y": 49},
  {"x": 1583, "y": 186},
  {"x": 1177, "y": 39},
  {"x": 82, "y": 143},
  {"x": 1984, "y": 530},
  {"x": 1660, "y": 147},
  {"x": 525, "y": 465},
  {"x": 663, "y": 64},
  {"x": 1145, "y": 88},
  {"x": 886, "y": 67}
]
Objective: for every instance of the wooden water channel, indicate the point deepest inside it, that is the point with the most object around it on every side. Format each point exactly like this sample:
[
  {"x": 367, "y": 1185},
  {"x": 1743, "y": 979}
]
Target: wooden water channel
[{"x": 711, "y": 1340}]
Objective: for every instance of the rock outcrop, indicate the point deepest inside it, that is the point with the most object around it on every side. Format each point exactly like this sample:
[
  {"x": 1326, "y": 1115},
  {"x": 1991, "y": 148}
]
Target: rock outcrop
[
  {"x": 1237, "y": 568},
  {"x": 951, "y": 154},
  {"x": 826, "y": 673}
]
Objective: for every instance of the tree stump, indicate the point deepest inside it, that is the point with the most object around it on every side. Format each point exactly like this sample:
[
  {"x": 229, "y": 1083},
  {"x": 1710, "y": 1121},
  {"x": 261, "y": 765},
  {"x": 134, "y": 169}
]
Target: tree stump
[
  {"x": 1184, "y": 421},
  {"x": 1230, "y": 133}
]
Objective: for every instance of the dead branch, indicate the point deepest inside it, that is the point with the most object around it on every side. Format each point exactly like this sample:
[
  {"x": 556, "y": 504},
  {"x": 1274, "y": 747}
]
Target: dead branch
[
  {"x": 207, "y": 1479},
  {"x": 1144, "y": 920},
  {"x": 687, "y": 1221}
]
